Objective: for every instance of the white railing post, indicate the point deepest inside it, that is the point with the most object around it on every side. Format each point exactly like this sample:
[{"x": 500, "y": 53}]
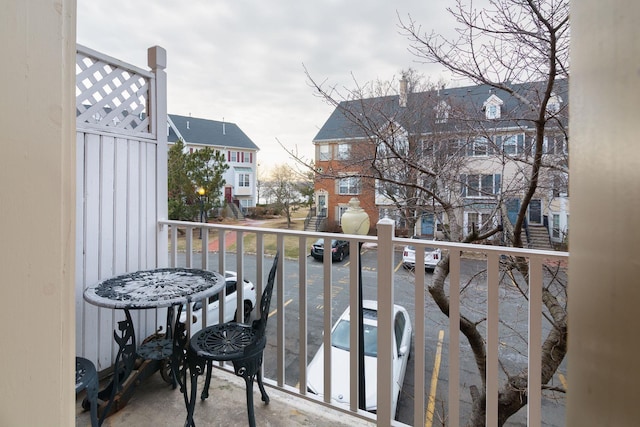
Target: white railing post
[
  {"x": 157, "y": 61},
  {"x": 385, "y": 320},
  {"x": 424, "y": 413},
  {"x": 493, "y": 339}
]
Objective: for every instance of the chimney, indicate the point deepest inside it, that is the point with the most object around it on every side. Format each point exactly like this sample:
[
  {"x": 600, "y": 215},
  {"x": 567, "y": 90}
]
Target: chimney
[
  {"x": 224, "y": 128},
  {"x": 403, "y": 92}
]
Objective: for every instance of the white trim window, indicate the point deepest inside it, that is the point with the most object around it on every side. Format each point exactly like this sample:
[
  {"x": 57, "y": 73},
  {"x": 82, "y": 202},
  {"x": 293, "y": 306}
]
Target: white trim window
[
  {"x": 553, "y": 105},
  {"x": 324, "y": 152},
  {"x": 349, "y": 185},
  {"x": 554, "y": 144},
  {"x": 442, "y": 112},
  {"x": 479, "y": 147},
  {"x": 482, "y": 221},
  {"x": 492, "y": 107},
  {"x": 477, "y": 185},
  {"x": 341, "y": 210},
  {"x": 344, "y": 151},
  {"x": 244, "y": 180},
  {"x": 512, "y": 145},
  {"x": 555, "y": 226}
]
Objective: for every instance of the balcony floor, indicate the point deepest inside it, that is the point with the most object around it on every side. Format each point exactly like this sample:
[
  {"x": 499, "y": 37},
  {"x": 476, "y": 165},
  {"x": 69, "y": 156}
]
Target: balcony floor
[{"x": 156, "y": 404}]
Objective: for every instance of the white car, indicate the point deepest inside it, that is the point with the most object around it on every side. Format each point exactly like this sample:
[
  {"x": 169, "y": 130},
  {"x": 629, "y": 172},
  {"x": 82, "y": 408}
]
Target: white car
[
  {"x": 340, "y": 357},
  {"x": 230, "y": 304},
  {"x": 431, "y": 257}
]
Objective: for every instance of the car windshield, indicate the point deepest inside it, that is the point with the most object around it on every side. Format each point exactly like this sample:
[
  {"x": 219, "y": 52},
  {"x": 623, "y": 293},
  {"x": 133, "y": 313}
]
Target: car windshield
[
  {"x": 320, "y": 242},
  {"x": 340, "y": 338}
]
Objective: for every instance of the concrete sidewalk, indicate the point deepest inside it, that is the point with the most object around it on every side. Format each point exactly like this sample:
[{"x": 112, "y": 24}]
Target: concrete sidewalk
[{"x": 155, "y": 404}]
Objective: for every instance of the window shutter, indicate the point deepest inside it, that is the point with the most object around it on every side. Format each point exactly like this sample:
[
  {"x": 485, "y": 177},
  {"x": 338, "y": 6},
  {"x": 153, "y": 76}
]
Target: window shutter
[
  {"x": 496, "y": 183},
  {"x": 250, "y": 157},
  {"x": 228, "y": 156},
  {"x": 520, "y": 143},
  {"x": 463, "y": 185}
]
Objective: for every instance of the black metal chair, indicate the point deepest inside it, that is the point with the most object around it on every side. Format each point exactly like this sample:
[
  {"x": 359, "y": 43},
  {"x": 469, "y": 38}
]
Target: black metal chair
[
  {"x": 239, "y": 343},
  {"x": 87, "y": 379}
]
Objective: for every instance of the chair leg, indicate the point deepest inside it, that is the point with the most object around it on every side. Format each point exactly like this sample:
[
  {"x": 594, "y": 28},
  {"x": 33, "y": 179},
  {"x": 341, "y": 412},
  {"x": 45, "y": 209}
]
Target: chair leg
[
  {"x": 248, "y": 379},
  {"x": 191, "y": 395},
  {"x": 92, "y": 396},
  {"x": 265, "y": 396},
  {"x": 207, "y": 381}
]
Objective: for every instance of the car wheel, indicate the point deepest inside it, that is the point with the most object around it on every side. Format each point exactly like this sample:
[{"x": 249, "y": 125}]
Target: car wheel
[{"x": 340, "y": 256}]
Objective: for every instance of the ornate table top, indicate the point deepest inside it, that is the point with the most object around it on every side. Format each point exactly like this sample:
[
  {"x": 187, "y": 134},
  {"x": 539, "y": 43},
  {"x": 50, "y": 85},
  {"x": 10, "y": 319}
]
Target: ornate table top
[{"x": 161, "y": 287}]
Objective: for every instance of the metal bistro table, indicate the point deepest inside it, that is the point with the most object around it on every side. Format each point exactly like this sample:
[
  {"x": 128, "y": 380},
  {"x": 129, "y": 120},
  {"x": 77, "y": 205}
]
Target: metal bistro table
[{"x": 157, "y": 288}]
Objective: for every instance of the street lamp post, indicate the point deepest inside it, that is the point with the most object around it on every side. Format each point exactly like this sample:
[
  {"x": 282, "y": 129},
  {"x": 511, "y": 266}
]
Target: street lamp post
[
  {"x": 356, "y": 221},
  {"x": 201, "y": 191}
]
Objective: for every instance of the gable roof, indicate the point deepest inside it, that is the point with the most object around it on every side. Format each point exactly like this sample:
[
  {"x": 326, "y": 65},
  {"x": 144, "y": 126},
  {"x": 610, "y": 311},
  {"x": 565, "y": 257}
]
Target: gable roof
[
  {"x": 350, "y": 118},
  {"x": 194, "y": 130}
]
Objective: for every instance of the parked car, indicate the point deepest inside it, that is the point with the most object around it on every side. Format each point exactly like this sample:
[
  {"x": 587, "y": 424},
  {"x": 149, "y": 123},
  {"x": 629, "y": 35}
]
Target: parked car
[
  {"x": 431, "y": 257},
  {"x": 230, "y": 304},
  {"x": 339, "y": 248},
  {"x": 340, "y": 357}
]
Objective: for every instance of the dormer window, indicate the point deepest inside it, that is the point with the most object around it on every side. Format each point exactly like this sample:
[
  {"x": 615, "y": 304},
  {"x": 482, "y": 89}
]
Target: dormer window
[
  {"x": 553, "y": 105},
  {"x": 442, "y": 112},
  {"x": 492, "y": 107}
]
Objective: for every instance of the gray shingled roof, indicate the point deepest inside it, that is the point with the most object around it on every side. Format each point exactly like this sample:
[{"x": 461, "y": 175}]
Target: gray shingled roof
[
  {"x": 341, "y": 124},
  {"x": 209, "y": 132}
]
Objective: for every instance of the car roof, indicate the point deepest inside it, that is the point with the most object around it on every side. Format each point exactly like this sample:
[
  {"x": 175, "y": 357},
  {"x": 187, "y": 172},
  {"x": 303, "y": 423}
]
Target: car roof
[{"x": 370, "y": 312}]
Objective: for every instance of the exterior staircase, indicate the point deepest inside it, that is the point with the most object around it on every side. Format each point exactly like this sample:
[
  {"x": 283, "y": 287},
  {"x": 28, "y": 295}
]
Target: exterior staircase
[
  {"x": 235, "y": 211},
  {"x": 314, "y": 223},
  {"x": 538, "y": 237}
]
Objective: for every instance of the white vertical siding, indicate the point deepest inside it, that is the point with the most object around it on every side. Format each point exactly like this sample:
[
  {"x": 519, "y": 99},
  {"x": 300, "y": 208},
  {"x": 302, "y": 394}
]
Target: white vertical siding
[{"x": 117, "y": 225}]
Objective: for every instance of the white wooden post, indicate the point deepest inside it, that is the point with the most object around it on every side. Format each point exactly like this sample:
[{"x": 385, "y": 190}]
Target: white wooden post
[
  {"x": 385, "y": 320},
  {"x": 157, "y": 61}
]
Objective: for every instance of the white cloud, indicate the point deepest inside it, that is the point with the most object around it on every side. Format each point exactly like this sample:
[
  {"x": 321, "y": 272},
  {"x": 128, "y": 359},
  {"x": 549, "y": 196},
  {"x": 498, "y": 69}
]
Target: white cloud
[{"x": 242, "y": 60}]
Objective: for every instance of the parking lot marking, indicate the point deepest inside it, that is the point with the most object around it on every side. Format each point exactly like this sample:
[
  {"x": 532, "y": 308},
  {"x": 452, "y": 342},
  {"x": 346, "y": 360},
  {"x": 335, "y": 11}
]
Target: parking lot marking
[
  {"x": 397, "y": 267},
  {"x": 434, "y": 381},
  {"x": 276, "y": 310},
  {"x": 563, "y": 380}
]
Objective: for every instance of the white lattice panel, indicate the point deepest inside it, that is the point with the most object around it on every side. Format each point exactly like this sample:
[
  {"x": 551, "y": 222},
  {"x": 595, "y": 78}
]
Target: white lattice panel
[{"x": 111, "y": 95}]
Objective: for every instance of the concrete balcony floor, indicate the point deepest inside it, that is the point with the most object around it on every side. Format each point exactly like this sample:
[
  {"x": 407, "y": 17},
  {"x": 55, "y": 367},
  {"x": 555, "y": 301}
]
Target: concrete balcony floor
[{"x": 155, "y": 404}]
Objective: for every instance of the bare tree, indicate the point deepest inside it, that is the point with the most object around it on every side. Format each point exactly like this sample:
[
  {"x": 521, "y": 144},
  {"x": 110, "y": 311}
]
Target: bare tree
[
  {"x": 283, "y": 187},
  {"x": 415, "y": 155},
  {"x": 512, "y": 41}
]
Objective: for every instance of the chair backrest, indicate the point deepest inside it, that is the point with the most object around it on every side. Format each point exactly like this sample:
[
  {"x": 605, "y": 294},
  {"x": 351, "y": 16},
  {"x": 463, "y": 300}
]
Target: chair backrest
[{"x": 265, "y": 301}]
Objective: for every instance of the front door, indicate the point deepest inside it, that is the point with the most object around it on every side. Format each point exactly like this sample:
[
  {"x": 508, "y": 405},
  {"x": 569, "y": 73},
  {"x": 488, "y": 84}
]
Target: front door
[
  {"x": 227, "y": 194},
  {"x": 426, "y": 226},
  {"x": 322, "y": 205},
  {"x": 535, "y": 212}
]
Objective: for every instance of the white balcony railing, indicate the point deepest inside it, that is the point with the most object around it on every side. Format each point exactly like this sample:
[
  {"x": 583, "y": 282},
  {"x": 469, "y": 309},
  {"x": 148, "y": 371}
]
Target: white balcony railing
[{"x": 243, "y": 243}]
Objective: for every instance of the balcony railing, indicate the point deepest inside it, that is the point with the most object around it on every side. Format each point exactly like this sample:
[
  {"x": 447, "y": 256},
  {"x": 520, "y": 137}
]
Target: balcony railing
[{"x": 237, "y": 246}]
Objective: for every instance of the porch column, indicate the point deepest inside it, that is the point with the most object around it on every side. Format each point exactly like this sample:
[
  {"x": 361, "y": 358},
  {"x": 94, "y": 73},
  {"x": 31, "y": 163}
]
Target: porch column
[
  {"x": 604, "y": 233},
  {"x": 37, "y": 212}
]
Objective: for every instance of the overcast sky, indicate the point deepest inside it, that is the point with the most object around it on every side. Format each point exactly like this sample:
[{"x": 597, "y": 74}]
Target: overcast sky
[{"x": 242, "y": 61}]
